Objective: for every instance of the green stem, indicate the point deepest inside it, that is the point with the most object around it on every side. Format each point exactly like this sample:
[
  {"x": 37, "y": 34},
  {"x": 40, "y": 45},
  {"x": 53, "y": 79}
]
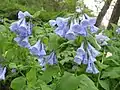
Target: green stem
[
  {"x": 101, "y": 70},
  {"x": 116, "y": 85}
]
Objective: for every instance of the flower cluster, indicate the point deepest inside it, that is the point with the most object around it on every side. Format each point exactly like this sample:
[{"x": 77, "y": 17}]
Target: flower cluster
[
  {"x": 70, "y": 28},
  {"x": 76, "y": 27},
  {"x": 87, "y": 56},
  {"x": 23, "y": 30}
]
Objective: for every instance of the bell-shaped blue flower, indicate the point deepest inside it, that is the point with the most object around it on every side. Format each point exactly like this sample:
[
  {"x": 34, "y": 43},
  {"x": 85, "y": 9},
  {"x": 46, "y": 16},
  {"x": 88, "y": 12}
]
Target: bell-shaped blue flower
[
  {"x": 61, "y": 31},
  {"x": 61, "y": 22},
  {"x": 15, "y": 26},
  {"x": 70, "y": 35},
  {"x": 93, "y": 29},
  {"x": 80, "y": 54},
  {"x": 38, "y": 49},
  {"x": 2, "y": 73},
  {"x": 23, "y": 29},
  {"x": 29, "y": 28},
  {"x": 42, "y": 61},
  {"x": 91, "y": 68},
  {"x": 89, "y": 22},
  {"x": 84, "y": 23},
  {"x": 52, "y": 59},
  {"x": 22, "y": 15},
  {"x": 85, "y": 60},
  {"x": 92, "y": 50},
  {"x": 102, "y": 39},
  {"x": 79, "y": 29},
  {"x": 23, "y": 42}
]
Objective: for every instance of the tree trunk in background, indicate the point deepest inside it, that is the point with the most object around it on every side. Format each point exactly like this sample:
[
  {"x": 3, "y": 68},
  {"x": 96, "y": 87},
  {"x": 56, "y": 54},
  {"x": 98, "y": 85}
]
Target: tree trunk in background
[
  {"x": 115, "y": 15},
  {"x": 103, "y": 12}
]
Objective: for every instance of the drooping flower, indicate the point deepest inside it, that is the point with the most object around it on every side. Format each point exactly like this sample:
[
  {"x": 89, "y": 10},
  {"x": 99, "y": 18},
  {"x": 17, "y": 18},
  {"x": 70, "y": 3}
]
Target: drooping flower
[
  {"x": 21, "y": 28},
  {"x": 80, "y": 56},
  {"x": 102, "y": 39},
  {"x": 22, "y": 15},
  {"x": 79, "y": 29},
  {"x": 62, "y": 26},
  {"x": 85, "y": 60},
  {"x": 2, "y": 73},
  {"x": 61, "y": 22},
  {"x": 23, "y": 42},
  {"x": 41, "y": 61},
  {"x": 22, "y": 31},
  {"x": 92, "y": 51},
  {"x": 52, "y": 59},
  {"x": 38, "y": 49},
  {"x": 15, "y": 26},
  {"x": 70, "y": 35},
  {"x": 91, "y": 68}
]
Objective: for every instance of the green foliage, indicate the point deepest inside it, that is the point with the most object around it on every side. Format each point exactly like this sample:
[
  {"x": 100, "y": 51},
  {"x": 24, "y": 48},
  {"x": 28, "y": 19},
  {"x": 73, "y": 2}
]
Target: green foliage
[
  {"x": 66, "y": 75},
  {"x": 18, "y": 83}
]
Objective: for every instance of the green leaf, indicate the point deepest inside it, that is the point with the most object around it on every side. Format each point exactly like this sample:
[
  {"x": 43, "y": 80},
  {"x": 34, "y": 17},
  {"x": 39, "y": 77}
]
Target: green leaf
[
  {"x": 93, "y": 41},
  {"x": 104, "y": 84},
  {"x": 18, "y": 83},
  {"x": 31, "y": 77},
  {"x": 36, "y": 14},
  {"x": 112, "y": 72},
  {"x": 45, "y": 87},
  {"x": 86, "y": 83},
  {"x": 45, "y": 40},
  {"x": 68, "y": 82},
  {"x": 53, "y": 41},
  {"x": 49, "y": 72},
  {"x": 2, "y": 28},
  {"x": 12, "y": 65},
  {"x": 101, "y": 66}
]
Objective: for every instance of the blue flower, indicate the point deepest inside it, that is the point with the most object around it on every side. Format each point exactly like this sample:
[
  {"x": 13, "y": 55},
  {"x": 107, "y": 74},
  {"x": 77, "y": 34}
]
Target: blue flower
[
  {"x": 91, "y": 68},
  {"x": 2, "y": 73},
  {"x": 61, "y": 31},
  {"x": 79, "y": 30},
  {"x": 23, "y": 42},
  {"x": 21, "y": 28},
  {"x": 29, "y": 28},
  {"x": 22, "y": 15},
  {"x": 52, "y": 59},
  {"x": 42, "y": 61},
  {"x": 15, "y": 26},
  {"x": 62, "y": 26},
  {"x": 85, "y": 59},
  {"x": 89, "y": 22},
  {"x": 61, "y": 22},
  {"x": 84, "y": 23},
  {"x": 38, "y": 49},
  {"x": 22, "y": 31},
  {"x": 102, "y": 39},
  {"x": 92, "y": 51},
  {"x": 52, "y": 23},
  {"x": 70, "y": 35},
  {"x": 93, "y": 29},
  {"x": 80, "y": 56}
]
